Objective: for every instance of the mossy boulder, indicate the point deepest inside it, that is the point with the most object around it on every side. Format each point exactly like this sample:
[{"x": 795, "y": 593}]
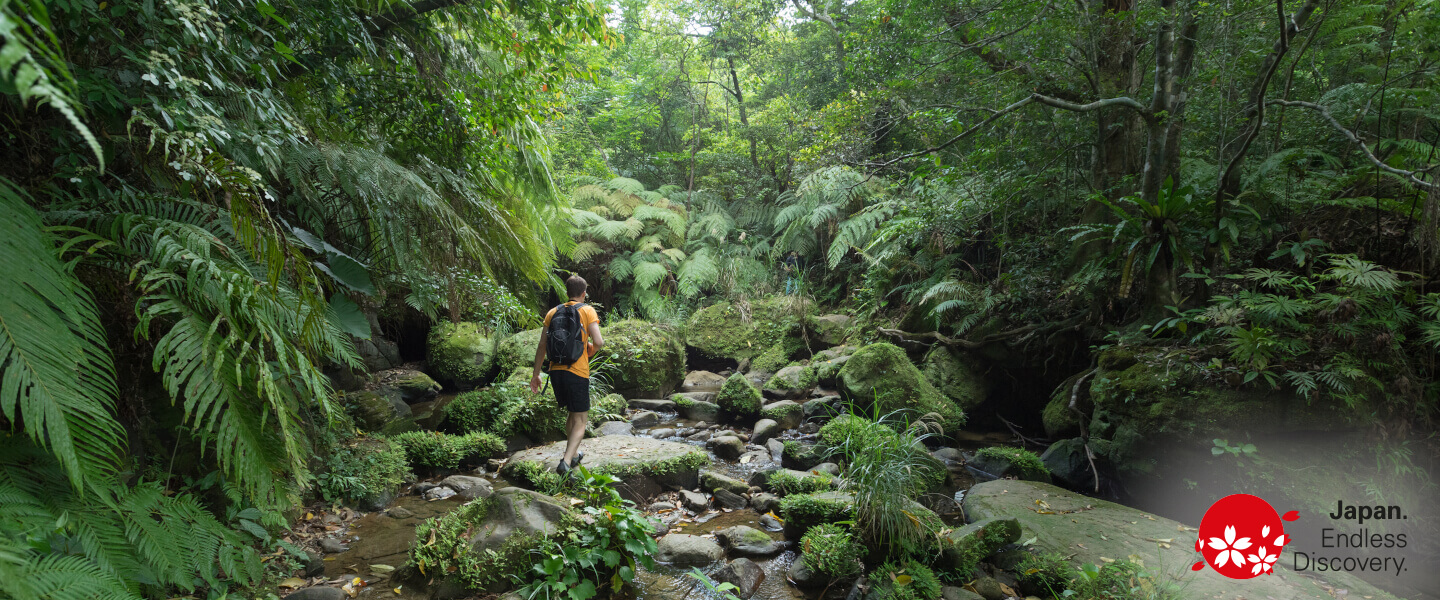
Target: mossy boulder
[
  {"x": 956, "y": 376},
  {"x": 479, "y": 546},
  {"x": 507, "y": 409},
  {"x": 968, "y": 545},
  {"x": 645, "y": 466},
  {"x": 794, "y": 381},
  {"x": 738, "y": 331},
  {"x": 647, "y": 360},
  {"x": 827, "y": 364},
  {"x": 695, "y": 410},
  {"x": 739, "y": 398},
  {"x": 785, "y": 412},
  {"x": 518, "y": 350},
  {"x": 365, "y": 472},
  {"x": 1058, "y": 419},
  {"x": 880, "y": 375},
  {"x": 461, "y": 355},
  {"x": 1000, "y": 462},
  {"x": 800, "y": 512},
  {"x": 830, "y": 330},
  {"x": 376, "y": 410}
]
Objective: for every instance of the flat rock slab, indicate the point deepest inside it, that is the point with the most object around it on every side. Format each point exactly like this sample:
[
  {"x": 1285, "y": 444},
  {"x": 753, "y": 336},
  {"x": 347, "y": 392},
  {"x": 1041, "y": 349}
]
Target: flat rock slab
[
  {"x": 1079, "y": 522},
  {"x": 634, "y": 459},
  {"x": 652, "y": 405}
]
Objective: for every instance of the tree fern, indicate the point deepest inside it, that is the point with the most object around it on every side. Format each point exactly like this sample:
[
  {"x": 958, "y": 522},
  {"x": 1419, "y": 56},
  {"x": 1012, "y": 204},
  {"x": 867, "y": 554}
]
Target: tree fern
[{"x": 56, "y": 377}]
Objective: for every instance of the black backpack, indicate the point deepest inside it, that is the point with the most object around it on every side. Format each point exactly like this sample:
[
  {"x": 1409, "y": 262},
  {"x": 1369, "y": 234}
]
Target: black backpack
[{"x": 565, "y": 344}]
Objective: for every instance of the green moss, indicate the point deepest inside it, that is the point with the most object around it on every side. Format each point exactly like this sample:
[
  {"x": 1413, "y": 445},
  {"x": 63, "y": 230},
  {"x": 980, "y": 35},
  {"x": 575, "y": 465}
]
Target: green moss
[
  {"x": 690, "y": 461},
  {"x": 363, "y": 467},
  {"x": 506, "y": 409},
  {"x": 773, "y": 358},
  {"x": 785, "y": 483},
  {"x": 1046, "y": 571},
  {"x": 1025, "y": 461},
  {"x": 831, "y": 550},
  {"x": 643, "y": 358},
  {"x": 461, "y": 354},
  {"x": 804, "y": 454},
  {"x": 722, "y": 331},
  {"x": 435, "y": 450},
  {"x": 972, "y": 543},
  {"x": 370, "y": 410},
  {"x": 739, "y": 396},
  {"x": 782, "y": 412},
  {"x": 803, "y": 511},
  {"x": 1057, "y": 417},
  {"x": 609, "y": 408},
  {"x": 951, "y": 373},
  {"x": 881, "y": 374},
  {"x": 681, "y": 400},
  {"x": 806, "y": 380},
  {"x": 447, "y": 552},
  {"x": 518, "y": 351},
  {"x": 534, "y": 475},
  {"x": 849, "y": 433},
  {"x": 892, "y": 583}
]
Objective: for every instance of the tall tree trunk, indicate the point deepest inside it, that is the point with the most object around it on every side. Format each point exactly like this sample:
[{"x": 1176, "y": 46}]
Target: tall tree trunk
[
  {"x": 740, "y": 105},
  {"x": 1114, "y": 157}
]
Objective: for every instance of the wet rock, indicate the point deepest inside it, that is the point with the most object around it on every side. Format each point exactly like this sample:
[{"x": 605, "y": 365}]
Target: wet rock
[
  {"x": 729, "y": 499},
  {"x": 661, "y": 434},
  {"x": 766, "y": 429},
  {"x": 771, "y": 523},
  {"x": 400, "y": 512},
  {"x": 422, "y": 487},
  {"x": 883, "y": 376},
  {"x": 711, "y": 481},
  {"x": 655, "y": 405},
  {"x": 828, "y": 468},
  {"x": 493, "y": 465},
  {"x": 314, "y": 564},
  {"x": 701, "y": 436},
  {"x": 727, "y": 447},
  {"x": 377, "y": 502},
  {"x": 438, "y": 493},
  {"x": 789, "y": 414},
  {"x": 949, "y": 456},
  {"x": 748, "y": 541},
  {"x": 461, "y": 483},
  {"x": 683, "y": 549},
  {"x": 979, "y": 540},
  {"x": 477, "y": 491},
  {"x": 702, "y": 425},
  {"x": 695, "y": 501},
  {"x": 776, "y": 448},
  {"x": 809, "y": 428},
  {"x": 764, "y": 503},
  {"x": 377, "y": 410},
  {"x": 759, "y": 477},
  {"x": 461, "y": 355},
  {"x": 830, "y": 329},
  {"x": 744, "y": 573},
  {"x": 659, "y": 506},
  {"x": 644, "y": 418},
  {"x": 701, "y": 379},
  {"x": 615, "y": 428},
  {"x": 513, "y": 511},
  {"x": 651, "y": 465},
  {"x": 823, "y": 407},
  {"x": 318, "y": 592},
  {"x": 951, "y": 592},
  {"x": 801, "y": 457},
  {"x": 331, "y": 545},
  {"x": 1068, "y": 464},
  {"x": 989, "y": 588},
  {"x": 755, "y": 457}
]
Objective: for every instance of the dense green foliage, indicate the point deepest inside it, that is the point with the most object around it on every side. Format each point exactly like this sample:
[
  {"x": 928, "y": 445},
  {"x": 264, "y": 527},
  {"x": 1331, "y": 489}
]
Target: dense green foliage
[
  {"x": 605, "y": 551},
  {"x": 434, "y": 450},
  {"x": 363, "y": 467},
  {"x": 831, "y": 550},
  {"x": 908, "y": 580}
]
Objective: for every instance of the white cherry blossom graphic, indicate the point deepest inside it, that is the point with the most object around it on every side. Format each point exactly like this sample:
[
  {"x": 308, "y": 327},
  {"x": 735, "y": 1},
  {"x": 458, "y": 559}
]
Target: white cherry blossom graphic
[
  {"x": 1263, "y": 562},
  {"x": 1229, "y": 548}
]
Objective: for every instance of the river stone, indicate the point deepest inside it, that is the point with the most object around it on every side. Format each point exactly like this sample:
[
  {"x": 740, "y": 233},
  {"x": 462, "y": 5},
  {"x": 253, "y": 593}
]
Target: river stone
[
  {"x": 949, "y": 456},
  {"x": 759, "y": 477},
  {"x": 951, "y": 592},
  {"x": 786, "y": 412},
  {"x": 771, "y": 523},
  {"x": 477, "y": 491},
  {"x": 655, "y": 405},
  {"x": 729, "y": 499},
  {"x": 827, "y": 370},
  {"x": 634, "y": 457},
  {"x": 701, "y": 379},
  {"x": 461, "y": 483},
  {"x": 644, "y": 418},
  {"x": 766, "y": 429},
  {"x": 514, "y": 510},
  {"x": 615, "y": 428},
  {"x": 693, "y": 397},
  {"x": 979, "y": 540},
  {"x": 727, "y": 447},
  {"x": 318, "y": 592},
  {"x": 331, "y": 545},
  {"x": 776, "y": 448},
  {"x": 998, "y": 465},
  {"x": 711, "y": 481},
  {"x": 400, "y": 512},
  {"x": 413, "y": 385},
  {"x": 989, "y": 588},
  {"x": 661, "y": 434},
  {"x": 823, "y": 407},
  {"x": 695, "y": 501},
  {"x": 1067, "y": 463},
  {"x": 755, "y": 457},
  {"x": 748, "y": 541},
  {"x": 831, "y": 328},
  {"x": 683, "y": 550},
  {"x": 790, "y": 382},
  {"x": 438, "y": 493},
  {"x": 1079, "y": 522},
  {"x": 646, "y": 360},
  {"x": 882, "y": 376},
  {"x": 698, "y": 410},
  {"x": 828, "y": 468},
  {"x": 801, "y": 457},
  {"x": 699, "y": 436},
  {"x": 744, "y": 573},
  {"x": 376, "y": 410},
  {"x": 764, "y": 502}
]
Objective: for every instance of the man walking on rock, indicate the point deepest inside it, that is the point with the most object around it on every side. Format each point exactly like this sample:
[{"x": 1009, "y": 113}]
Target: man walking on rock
[{"x": 570, "y": 337}]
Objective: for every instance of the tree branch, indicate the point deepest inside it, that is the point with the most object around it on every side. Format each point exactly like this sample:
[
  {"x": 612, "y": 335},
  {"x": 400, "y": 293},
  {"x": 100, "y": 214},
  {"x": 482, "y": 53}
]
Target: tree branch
[{"x": 1411, "y": 176}]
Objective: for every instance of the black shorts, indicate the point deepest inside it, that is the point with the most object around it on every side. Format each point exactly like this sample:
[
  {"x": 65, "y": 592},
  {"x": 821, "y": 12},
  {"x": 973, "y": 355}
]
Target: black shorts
[{"x": 572, "y": 392}]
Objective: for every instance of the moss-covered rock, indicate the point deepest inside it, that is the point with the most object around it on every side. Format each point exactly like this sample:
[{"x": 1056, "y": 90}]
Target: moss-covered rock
[
  {"x": 518, "y": 350},
  {"x": 1001, "y": 461},
  {"x": 793, "y": 381},
  {"x": 432, "y": 450},
  {"x": 827, "y": 364},
  {"x": 830, "y": 330},
  {"x": 461, "y": 355},
  {"x": 785, "y": 412},
  {"x": 730, "y": 331},
  {"x": 364, "y": 471},
  {"x": 480, "y": 545},
  {"x": 800, "y": 512},
  {"x": 881, "y": 375},
  {"x": 695, "y": 410},
  {"x": 1058, "y": 419},
  {"x": 970, "y": 544},
  {"x": 785, "y": 482},
  {"x": 376, "y": 410},
  {"x": 645, "y": 360},
  {"x": 507, "y": 409},
  {"x": 645, "y": 466},
  {"x": 956, "y": 377},
  {"x": 739, "y": 398}
]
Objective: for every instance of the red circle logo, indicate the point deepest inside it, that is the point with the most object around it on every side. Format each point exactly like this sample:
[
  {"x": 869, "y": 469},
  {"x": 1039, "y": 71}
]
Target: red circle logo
[{"x": 1241, "y": 537}]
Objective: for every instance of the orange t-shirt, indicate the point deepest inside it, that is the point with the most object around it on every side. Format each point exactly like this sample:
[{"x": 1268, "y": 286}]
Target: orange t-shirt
[{"x": 587, "y": 316}]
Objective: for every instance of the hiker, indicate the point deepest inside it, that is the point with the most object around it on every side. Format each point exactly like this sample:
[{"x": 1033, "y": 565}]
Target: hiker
[
  {"x": 571, "y": 336},
  {"x": 792, "y": 273}
]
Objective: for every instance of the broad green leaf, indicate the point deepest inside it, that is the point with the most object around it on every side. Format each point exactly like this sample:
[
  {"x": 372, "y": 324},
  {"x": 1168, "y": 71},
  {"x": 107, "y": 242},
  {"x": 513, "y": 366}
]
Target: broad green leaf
[{"x": 349, "y": 318}]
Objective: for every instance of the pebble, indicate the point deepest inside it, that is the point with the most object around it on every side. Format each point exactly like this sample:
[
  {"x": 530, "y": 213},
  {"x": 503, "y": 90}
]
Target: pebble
[
  {"x": 331, "y": 545},
  {"x": 439, "y": 493},
  {"x": 400, "y": 512}
]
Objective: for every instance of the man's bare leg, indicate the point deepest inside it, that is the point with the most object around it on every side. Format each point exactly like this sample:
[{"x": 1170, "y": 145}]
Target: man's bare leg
[{"x": 575, "y": 431}]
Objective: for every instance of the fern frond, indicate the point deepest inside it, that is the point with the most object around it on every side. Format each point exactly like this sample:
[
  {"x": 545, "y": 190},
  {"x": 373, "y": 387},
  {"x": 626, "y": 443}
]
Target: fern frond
[{"x": 649, "y": 274}]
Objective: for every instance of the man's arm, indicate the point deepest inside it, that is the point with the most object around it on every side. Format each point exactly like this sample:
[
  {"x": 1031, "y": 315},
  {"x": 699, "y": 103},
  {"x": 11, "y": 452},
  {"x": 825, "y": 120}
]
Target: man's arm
[
  {"x": 596, "y": 343},
  {"x": 539, "y": 359}
]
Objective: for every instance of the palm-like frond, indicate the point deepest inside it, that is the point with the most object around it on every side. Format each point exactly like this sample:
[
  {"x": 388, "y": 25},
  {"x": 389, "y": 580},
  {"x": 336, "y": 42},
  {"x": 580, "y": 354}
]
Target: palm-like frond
[
  {"x": 649, "y": 274},
  {"x": 56, "y": 376}
]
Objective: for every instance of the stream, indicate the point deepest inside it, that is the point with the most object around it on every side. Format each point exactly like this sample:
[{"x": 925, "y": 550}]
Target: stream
[{"x": 384, "y": 537}]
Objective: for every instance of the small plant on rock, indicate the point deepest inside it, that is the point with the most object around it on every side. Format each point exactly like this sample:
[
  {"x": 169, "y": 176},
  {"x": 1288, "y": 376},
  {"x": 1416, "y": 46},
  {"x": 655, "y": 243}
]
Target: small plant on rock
[
  {"x": 830, "y": 549},
  {"x": 907, "y": 580},
  {"x": 435, "y": 450},
  {"x": 606, "y": 549},
  {"x": 784, "y": 483},
  {"x": 1047, "y": 572}
]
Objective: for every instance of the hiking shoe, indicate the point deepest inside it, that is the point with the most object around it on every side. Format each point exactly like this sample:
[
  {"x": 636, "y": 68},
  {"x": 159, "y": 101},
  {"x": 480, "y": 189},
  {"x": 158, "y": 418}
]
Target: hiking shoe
[
  {"x": 563, "y": 468},
  {"x": 575, "y": 462}
]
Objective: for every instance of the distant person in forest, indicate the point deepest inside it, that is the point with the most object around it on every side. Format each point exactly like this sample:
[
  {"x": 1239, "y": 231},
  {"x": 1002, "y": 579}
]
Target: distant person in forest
[
  {"x": 792, "y": 272},
  {"x": 570, "y": 337}
]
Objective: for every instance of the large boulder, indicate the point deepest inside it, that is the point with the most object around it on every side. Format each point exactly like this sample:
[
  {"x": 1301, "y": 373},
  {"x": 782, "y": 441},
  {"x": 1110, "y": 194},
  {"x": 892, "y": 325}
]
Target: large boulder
[
  {"x": 764, "y": 430},
  {"x": 471, "y": 548},
  {"x": 685, "y": 550},
  {"x": 648, "y": 360},
  {"x": 1087, "y": 530},
  {"x": 645, "y": 466},
  {"x": 745, "y": 331},
  {"x": 378, "y": 353},
  {"x": 744, "y": 574},
  {"x": 785, "y": 412},
  {"x": 827, "y": 364},
  {"x": 414, "y": 386},
  {"x": 518, "y": 350},
  {"x": 955, "y": 375},
  {"x": 701, "y": 380},
  {"x": 696, "y": 410},
  {"x": 461, "y": 355},
  {"x": 881, "y": 375},
  {"x": 739, "y": 399},
  {"x": 380, "y": 410},
  {"x": 742, "y": 540},
  {"x": 792, "y": 382},
  {"x": 830, "y": 329},
  {"x": 1068, "y": 464}
]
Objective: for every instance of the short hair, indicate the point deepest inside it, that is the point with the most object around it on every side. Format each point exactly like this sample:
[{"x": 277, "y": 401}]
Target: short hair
[{"x": 574, "y": 286}]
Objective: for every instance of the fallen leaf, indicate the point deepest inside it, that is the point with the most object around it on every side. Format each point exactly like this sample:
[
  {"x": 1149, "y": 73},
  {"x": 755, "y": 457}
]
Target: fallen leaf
[
  {"x": 293, "y": 582},
  {"x": 746, "y": 458},
  {"x": 382, "y": 568},
  {"x": 1106, "y": 560},
  {"x": 397, "y": 590}
]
